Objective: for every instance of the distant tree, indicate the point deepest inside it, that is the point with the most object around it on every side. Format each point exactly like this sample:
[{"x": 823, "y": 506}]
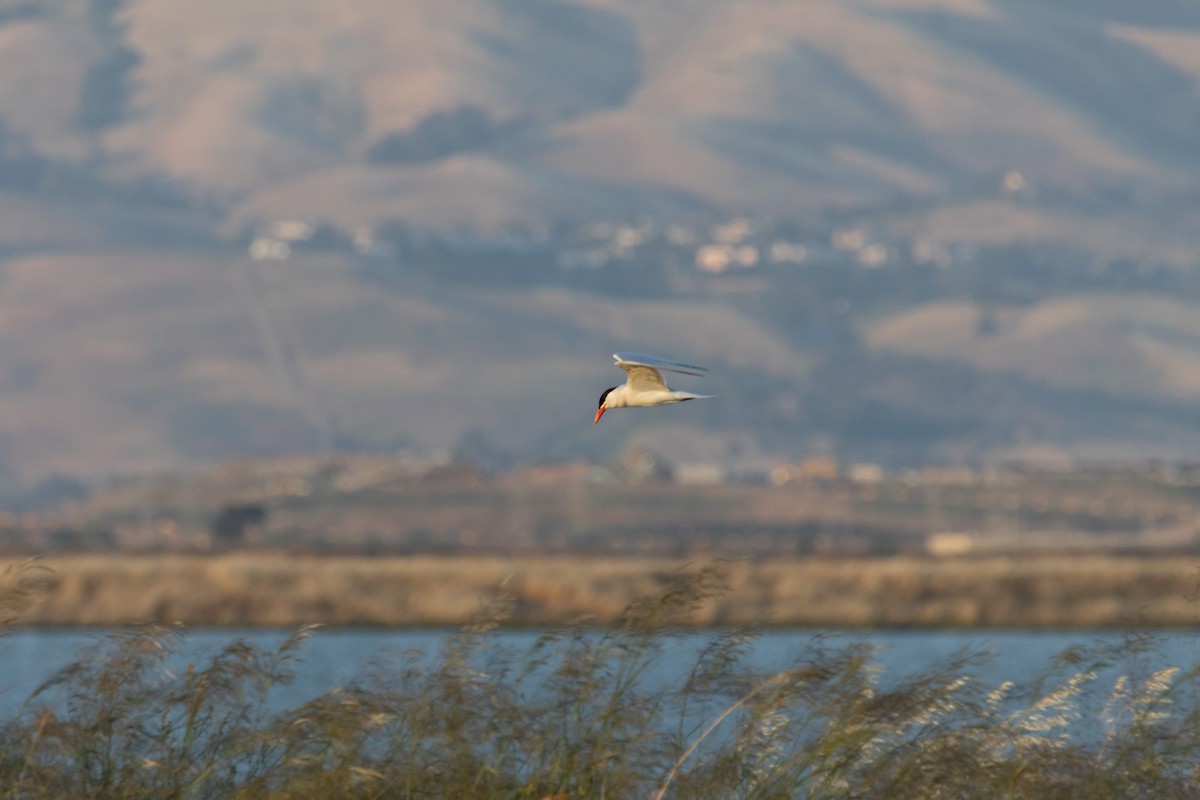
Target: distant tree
[
  {"x": 86, "y": 540},
  {"x": 229, "y": 526}
]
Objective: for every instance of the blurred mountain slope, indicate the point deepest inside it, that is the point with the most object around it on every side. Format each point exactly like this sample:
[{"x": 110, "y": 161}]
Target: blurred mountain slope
[
  {"x": 145, "y": 145},
  {"x": 129, "y": 363},
  {"x": 1133, "y": 346},
  {"x": 367, "y": 108}
]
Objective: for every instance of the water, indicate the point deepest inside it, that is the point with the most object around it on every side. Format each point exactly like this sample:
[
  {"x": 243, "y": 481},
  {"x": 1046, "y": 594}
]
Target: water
[{"x": 332, "y": 658}]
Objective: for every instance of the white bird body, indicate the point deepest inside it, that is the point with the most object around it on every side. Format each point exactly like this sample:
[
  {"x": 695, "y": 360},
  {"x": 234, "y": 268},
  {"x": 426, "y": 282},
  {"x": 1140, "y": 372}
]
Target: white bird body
[
  {"x": 624, "y": 397},
  {"x": 644, "y": 385}
]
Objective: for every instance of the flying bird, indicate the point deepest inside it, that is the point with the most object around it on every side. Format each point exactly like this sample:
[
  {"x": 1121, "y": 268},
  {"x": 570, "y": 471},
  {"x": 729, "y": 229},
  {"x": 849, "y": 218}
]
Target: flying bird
[{"x": 645, "y": 385}]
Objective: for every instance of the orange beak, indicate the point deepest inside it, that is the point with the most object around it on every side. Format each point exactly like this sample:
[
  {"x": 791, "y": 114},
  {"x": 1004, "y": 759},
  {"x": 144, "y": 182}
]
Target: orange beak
[{"x": 599, "y": 413}]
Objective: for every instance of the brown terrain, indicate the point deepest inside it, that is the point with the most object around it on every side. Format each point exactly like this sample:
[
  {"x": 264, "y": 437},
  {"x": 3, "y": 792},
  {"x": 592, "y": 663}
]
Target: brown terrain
[
  {"x": 367, "y": 541},
  {"x": 639, "y": 504},
  {"x": 258, "y": 589},
  {"x": 761, "y": 105}
]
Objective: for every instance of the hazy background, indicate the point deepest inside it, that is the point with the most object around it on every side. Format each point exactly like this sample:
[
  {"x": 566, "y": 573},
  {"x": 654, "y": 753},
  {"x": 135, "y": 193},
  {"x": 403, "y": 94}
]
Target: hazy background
[{"x": 906, "y": 232}]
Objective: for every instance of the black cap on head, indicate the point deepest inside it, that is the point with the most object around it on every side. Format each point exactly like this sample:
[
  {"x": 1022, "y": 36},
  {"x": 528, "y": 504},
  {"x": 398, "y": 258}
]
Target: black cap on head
[{"x": 606, "y": 391}]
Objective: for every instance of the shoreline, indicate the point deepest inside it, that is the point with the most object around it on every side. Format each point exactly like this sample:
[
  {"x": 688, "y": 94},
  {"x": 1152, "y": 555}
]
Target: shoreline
[{"x": 276, "y": 590}]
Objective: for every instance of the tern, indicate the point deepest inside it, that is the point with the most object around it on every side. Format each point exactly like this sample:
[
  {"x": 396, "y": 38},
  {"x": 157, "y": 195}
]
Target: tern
[{"x": 645, "y": 385}]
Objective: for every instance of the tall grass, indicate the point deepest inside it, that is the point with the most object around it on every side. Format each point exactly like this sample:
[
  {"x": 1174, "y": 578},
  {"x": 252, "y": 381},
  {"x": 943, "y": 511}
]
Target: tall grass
[
  {"x": 587, "y": 713},
  {"x": 288, "y": 590}
]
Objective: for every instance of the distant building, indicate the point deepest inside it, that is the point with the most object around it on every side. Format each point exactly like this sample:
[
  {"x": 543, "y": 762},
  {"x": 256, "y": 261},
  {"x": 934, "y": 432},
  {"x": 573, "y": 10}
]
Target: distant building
[
  {"x": 291, "y": 230},
  {"x": 732, "y": 232},
  {"x": 865, "y": 473},
  {"x": 699, "y": 473},
  {"x": 849, "y": 239},
  {"x": 949, "y": 544},
  {"x": 714, "y": 257},
  {"x": 1012, "y": 182},
  {"x": 872, "y": 256},
  {"x": 720, "y": 257},
  {"x": 818, "y": 468}
]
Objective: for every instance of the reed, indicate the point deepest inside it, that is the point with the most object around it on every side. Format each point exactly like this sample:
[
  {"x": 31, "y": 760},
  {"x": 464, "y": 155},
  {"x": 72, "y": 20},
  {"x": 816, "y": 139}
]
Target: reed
[{"x": 576, "y": 715}]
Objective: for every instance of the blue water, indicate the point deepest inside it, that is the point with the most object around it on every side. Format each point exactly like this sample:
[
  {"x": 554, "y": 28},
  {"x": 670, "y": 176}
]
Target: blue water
[{"x": 332, "y": 658}]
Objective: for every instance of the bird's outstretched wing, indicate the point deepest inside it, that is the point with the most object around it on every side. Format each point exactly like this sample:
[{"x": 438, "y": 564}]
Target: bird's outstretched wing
[
  {"x": 643, "y": 378},
  {"x": 656, "y": 363},
  {"x": 643, "y": 370}
]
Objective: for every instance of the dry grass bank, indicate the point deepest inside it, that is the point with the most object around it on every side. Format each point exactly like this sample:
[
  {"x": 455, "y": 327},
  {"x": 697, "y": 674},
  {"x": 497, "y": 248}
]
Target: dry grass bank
[{"x": 285, "y": 590}]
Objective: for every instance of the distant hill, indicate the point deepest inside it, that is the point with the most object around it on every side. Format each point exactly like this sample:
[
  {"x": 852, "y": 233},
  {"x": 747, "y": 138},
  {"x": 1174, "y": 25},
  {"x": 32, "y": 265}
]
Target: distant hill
[
  {"x": 1138, "y": 347},
  {"x": 139, "y": 362},
  {"x": 576, "y": 156},
  {"x": 136, "y": 362},
  {"x": 487, "y": 112}
]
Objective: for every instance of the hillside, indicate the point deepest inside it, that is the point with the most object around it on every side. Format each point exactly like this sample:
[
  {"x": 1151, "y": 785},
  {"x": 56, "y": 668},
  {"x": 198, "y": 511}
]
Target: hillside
[
  {"x": 488, "y": 112},
  {"x": 139, "y": 362},
  {"x": 991, "y": 202},
  {"x": 1134, "y": 346}
]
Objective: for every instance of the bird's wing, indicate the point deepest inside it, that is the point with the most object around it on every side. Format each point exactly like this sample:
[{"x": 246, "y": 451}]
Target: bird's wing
[
  {"x": 643, "y": 378},
  {"x": 624, "y": 360}
]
